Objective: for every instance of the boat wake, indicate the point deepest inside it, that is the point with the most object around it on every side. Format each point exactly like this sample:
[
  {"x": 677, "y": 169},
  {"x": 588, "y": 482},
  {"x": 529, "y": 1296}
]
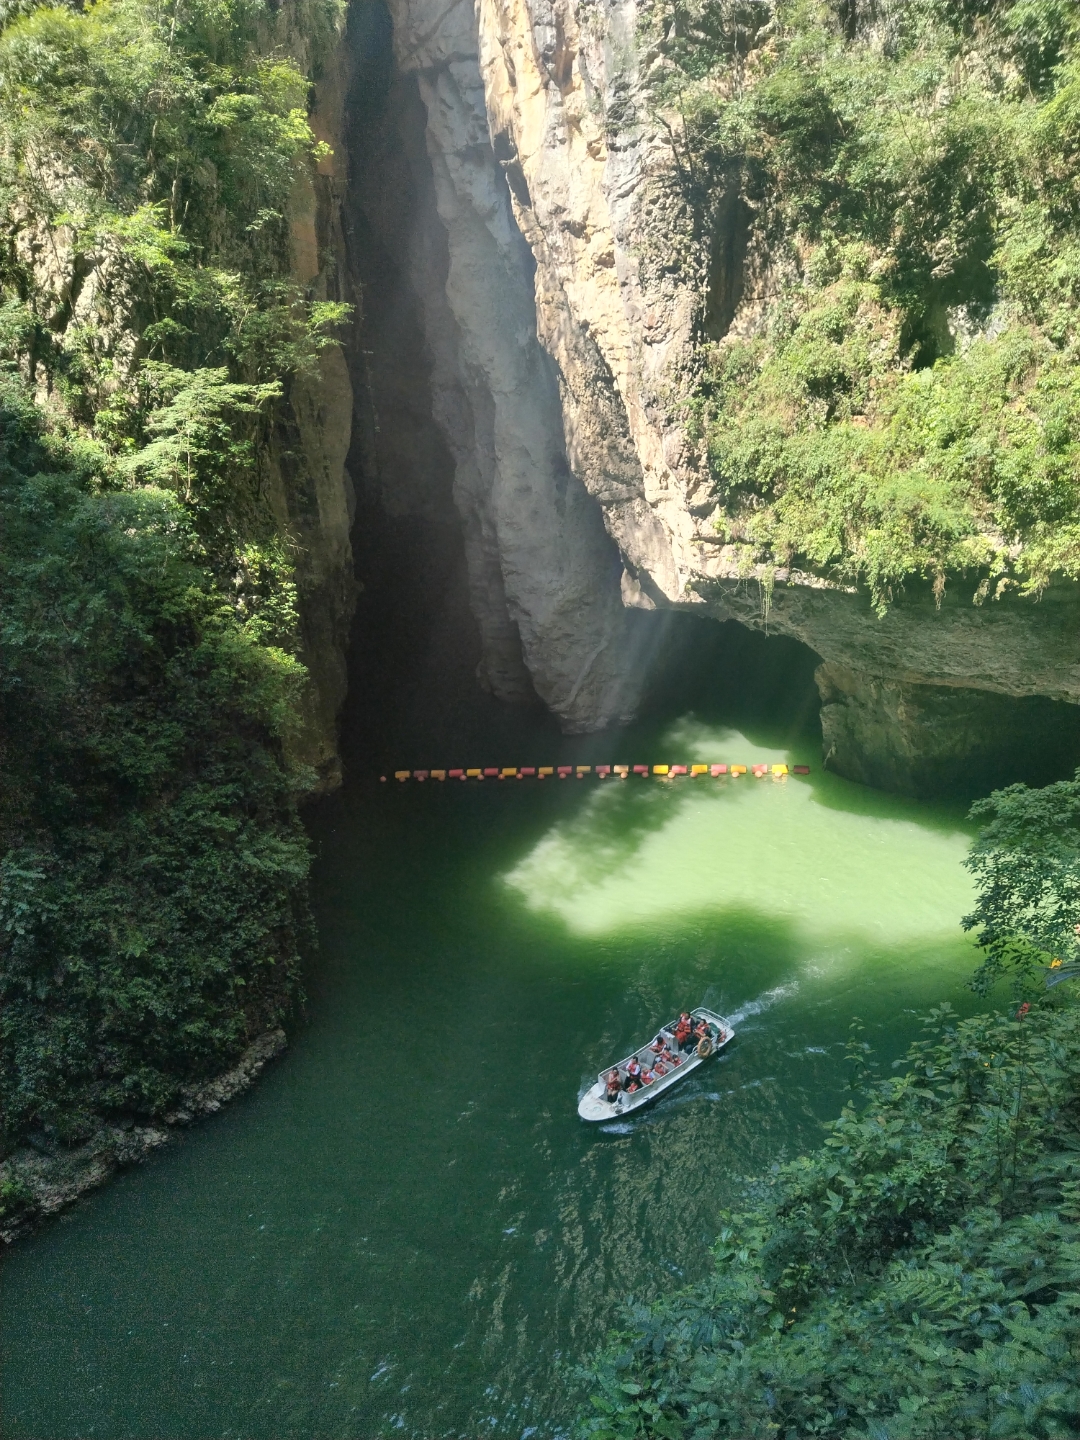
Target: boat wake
[{"x": 763, "y": 1002}]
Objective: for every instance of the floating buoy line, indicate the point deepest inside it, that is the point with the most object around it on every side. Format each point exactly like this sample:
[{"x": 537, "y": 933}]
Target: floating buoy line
[{"x": 602, "y": 772}]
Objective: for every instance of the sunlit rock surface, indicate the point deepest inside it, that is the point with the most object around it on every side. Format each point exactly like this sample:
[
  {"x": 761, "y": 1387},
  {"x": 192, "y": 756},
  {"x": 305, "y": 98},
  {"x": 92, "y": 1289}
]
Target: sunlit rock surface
[{"x": 557, "y": 289}]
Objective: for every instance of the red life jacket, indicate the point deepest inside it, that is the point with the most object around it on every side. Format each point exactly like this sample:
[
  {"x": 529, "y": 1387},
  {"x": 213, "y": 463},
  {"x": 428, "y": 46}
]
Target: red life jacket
[{"x": 682, "y": 1030}]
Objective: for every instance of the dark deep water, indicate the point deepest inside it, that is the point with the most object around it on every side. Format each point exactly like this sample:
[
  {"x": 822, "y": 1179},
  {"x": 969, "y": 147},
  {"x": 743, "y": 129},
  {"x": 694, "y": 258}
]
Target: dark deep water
[{"x": 405, "y": 1229}]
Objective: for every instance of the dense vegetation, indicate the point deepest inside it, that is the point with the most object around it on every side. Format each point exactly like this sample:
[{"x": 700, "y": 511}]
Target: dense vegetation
[
  {"x": 890, "y": 190},
  {"x": 1026, "y": 863},
  {"x": 919, "y": 1274},
  {"x": 152, "y": 865}
]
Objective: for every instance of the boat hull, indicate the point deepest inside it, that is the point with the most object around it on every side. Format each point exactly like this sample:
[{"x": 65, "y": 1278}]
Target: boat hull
[{"x": 594, "y": 1107}]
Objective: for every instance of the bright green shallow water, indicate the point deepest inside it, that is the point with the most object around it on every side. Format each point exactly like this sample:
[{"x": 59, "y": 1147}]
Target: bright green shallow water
[{"x": 405, "y": 1228}]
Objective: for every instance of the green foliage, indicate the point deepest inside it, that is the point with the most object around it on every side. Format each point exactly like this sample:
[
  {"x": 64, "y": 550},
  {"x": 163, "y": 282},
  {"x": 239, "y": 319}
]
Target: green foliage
[
  {"x": 1026, "y": 863},
  {"x": 917, "y": 1276},
  {"x": 901, "y": 394},
  {"x": 152, "y": 890},
  {"x": 152, "y": 863}
]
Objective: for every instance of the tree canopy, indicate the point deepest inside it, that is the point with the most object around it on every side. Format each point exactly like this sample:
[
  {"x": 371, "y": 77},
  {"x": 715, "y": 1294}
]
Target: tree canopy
[{"x": 153, "y": 867}]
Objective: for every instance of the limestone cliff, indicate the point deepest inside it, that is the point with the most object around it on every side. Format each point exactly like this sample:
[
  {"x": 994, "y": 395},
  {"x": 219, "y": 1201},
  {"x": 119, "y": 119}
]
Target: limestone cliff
[
  {"x": 544, "y": 574},
  {"x": 309, "y": 488},
  {"x": 558, "y": 367}
]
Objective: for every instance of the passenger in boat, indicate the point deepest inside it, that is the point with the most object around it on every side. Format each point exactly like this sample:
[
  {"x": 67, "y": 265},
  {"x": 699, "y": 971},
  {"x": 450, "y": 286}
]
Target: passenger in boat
[
  {"x": 659, "y": 1068},
  {"x": 702, "y": 1031},
  {"x": 647, "y": 1077},
  {"x": 633, "y": 1074},
  {"x": 614, "y": 1086},
  {"x": 659, "y": 1045},
  {"x": 684, "y": 1032}
]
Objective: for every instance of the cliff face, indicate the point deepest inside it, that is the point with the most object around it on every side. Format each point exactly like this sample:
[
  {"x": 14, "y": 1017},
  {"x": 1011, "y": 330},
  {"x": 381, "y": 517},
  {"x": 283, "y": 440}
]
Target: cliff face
[
  {"x": 433, "y": 227},
  {"x": 557, "y": 302},
  {"x": 309, "y": 489}
]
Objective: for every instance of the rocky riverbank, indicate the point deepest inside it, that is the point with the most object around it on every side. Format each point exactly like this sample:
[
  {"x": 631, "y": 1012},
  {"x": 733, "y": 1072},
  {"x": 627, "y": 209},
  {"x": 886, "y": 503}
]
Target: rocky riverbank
[{"x": 43, "y": 1177}]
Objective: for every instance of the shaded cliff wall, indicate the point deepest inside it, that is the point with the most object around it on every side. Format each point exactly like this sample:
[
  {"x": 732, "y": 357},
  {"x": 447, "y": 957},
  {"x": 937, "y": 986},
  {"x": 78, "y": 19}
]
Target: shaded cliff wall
[
  {"x": 531, "y": 292},
  {"x": 452, "y": 368},
  {"x": 308, "y": 486},
  {"x": 624, "y": 286}
]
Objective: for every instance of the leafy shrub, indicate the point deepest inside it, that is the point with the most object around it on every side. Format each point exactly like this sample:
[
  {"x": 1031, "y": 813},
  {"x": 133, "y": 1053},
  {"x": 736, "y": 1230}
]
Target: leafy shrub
[{"x": 1026, "y": 863}]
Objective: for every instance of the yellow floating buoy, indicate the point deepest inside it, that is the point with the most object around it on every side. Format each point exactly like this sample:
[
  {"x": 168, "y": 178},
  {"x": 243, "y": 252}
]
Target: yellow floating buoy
[
  {"x": 402, "y": 774},
  {"x": 508, "y": 771},
  {"x": 660, "y": 769},
  {"x": 546, "y": 770},
  {"x": 438, "y": 774},
  {"x": 699, "y": 769},
  {"x": 738, "y": 769},
  {"x": 475, "y": 774}
]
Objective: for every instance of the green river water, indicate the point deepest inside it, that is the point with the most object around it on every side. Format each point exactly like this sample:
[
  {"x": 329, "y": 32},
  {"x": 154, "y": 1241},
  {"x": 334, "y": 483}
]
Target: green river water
[{"x": 405, "y": 1228}]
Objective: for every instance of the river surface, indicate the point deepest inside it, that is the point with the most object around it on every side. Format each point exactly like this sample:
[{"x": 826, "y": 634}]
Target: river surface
[{"x": 404, "y": 1229}]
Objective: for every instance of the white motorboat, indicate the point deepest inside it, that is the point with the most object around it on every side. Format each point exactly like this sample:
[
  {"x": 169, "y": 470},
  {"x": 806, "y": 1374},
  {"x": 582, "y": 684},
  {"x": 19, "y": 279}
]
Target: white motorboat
[{"x": 634, "y": 1093}]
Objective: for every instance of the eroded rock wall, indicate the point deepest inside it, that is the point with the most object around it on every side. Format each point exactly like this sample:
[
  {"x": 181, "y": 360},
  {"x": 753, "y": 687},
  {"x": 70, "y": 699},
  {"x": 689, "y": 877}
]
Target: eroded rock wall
[
  {"x": 545, "y": 576},
  {"x": 307, "y": 484},
  {"x": 522, "y": 195},
  {"x": 624, "y": 286}
]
